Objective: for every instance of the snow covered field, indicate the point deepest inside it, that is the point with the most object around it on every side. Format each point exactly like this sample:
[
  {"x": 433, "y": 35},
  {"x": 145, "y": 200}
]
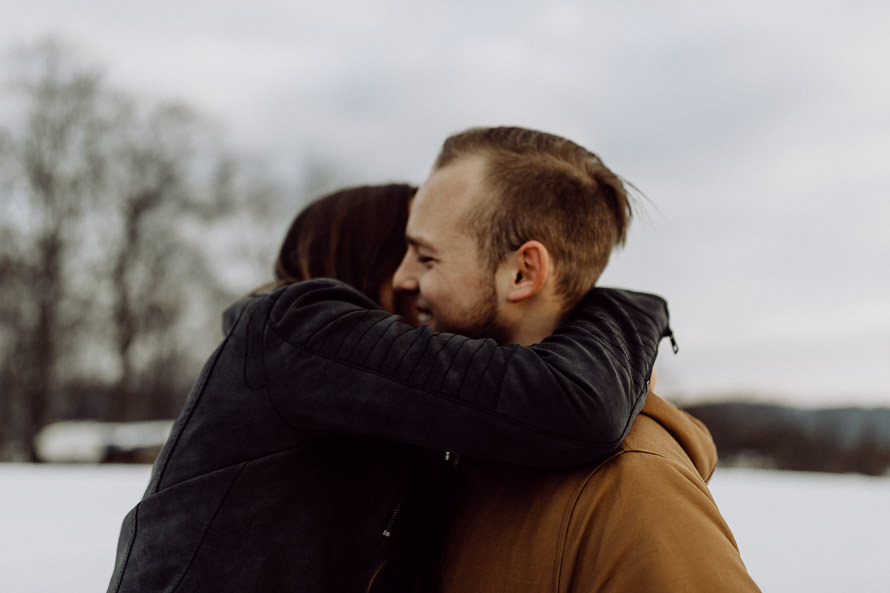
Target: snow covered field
[{"x": 797, "y": 532}]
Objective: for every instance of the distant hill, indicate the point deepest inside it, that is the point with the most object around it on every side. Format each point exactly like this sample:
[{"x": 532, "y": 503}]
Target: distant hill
[{"x": 825, "y": 440}]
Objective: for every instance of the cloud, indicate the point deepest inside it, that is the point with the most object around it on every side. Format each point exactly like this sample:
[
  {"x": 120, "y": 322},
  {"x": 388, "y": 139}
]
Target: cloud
[{"x": 758, "y": 131}]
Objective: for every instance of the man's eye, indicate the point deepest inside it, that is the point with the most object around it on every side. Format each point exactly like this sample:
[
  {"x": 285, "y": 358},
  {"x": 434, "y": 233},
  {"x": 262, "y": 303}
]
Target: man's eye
[{"x": 424, "y": 259}]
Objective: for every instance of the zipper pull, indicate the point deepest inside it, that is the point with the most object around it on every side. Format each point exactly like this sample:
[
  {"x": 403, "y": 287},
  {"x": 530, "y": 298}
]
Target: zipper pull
[
  {"x": 670, "y": 334},
  {"x": 387, "y": 531}
]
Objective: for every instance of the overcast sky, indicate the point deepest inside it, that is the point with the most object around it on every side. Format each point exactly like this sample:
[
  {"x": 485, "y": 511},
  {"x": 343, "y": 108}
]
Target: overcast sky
[{"x": 759, "y": 133}]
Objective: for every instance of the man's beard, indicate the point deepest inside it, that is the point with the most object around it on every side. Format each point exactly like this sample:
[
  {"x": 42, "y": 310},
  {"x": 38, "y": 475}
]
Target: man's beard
[{"x": 484, "y": 321}]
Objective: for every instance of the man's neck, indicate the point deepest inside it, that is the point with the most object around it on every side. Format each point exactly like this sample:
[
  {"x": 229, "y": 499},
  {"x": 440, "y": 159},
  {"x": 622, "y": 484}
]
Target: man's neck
[{"x": 535, "y": 327}]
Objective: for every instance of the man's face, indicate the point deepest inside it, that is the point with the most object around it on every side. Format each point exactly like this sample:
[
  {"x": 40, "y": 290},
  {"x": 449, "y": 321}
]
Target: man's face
[{"x": 442, "y": 269}]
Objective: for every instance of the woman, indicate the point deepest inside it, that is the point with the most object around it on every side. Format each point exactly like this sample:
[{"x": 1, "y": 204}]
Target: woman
[{"x": 301, "y": 460}]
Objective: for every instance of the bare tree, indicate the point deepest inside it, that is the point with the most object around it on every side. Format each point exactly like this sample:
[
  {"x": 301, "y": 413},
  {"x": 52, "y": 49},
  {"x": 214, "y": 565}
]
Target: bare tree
[
  {"x": 167, "y": 176},
  {"x": 52, "y": 170},
  {"x": 111, "y": 211}
]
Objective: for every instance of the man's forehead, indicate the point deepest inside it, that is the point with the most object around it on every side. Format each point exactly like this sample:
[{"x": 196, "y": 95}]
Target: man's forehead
[
  {"x": 455, "y": 186},
  {"x": 439, "y": 209}
]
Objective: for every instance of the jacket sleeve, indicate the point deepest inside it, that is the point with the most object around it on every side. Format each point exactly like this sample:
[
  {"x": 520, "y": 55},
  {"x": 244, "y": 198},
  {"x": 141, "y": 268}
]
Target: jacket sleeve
[{"x": 332, "y": 361}]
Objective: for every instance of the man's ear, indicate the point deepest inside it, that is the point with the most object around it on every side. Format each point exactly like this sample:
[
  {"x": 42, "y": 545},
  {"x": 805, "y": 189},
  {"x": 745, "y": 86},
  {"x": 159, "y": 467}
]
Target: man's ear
[{"x": 531, "y": 268}]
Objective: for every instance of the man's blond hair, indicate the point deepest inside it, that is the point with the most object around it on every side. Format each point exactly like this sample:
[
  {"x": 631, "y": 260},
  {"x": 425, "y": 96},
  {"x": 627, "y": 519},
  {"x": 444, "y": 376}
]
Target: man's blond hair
[{"x": 544, "y": 187}]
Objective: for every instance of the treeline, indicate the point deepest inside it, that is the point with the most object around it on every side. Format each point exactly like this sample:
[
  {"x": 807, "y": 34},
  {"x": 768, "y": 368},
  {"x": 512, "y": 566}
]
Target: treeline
[
  {"x": 115, "y": 235},
  {"x": 854, "y": 440}
]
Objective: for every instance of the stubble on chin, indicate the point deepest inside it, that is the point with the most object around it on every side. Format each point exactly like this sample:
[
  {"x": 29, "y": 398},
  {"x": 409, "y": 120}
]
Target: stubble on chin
[{"x": 483, "y": 321}]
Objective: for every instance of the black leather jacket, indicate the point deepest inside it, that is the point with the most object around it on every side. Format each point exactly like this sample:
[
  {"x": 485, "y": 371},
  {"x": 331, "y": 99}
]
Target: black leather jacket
[{"x": 300, "y": 461}]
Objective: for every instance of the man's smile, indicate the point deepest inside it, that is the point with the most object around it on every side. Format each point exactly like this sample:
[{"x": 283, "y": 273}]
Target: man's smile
[{"x": 424, "y": 316}]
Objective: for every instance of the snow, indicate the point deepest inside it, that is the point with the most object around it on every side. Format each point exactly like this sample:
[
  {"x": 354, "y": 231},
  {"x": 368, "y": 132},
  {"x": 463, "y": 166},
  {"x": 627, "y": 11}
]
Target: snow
[
  {"x": 809, "y": 532},
  {"x": 797, "y": 532},
  {"x": 60, "y": 524}
]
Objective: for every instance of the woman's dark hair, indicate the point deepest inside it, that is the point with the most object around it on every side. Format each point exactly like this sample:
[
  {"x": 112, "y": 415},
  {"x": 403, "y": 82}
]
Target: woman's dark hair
[{"x": 356, "y": 235}]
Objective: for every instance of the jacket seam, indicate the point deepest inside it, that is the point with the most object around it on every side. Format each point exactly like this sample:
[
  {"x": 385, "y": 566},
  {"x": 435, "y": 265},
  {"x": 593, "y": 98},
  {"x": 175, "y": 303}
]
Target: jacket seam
[
  {"x": 507, "y": 362},
  {"x": 484, "y": 372},
  {"x": 347, "y": 346},
  {"x": 573, "y": 505},
  {"x": 410, "y": 346},
  {"x": 464, "y": 375},
  {"x": 358, "y": 340},
  {"x": 391, "y": 342},
  {"x": 443, "y": 381},
  {"x": 274, "y": 325},
  {"x": 173, "y": 441},
  {"x": 230, "y": 466},
  {"x": 207, "y": 528},
  {"x": 429, "y": 372}
]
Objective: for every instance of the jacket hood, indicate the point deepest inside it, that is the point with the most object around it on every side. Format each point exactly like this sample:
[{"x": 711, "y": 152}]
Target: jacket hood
[{"x": 690, "y": 433}]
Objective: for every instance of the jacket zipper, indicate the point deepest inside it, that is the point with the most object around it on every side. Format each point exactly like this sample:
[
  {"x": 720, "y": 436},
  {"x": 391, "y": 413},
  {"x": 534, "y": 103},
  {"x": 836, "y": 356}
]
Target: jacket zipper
[
  {"x": 387, "y": 531},
  {"x": 451, "y": 458}
]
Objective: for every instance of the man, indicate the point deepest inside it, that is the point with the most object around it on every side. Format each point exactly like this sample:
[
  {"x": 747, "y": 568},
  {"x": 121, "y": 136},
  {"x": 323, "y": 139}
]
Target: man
[{"x": 510, "y": 229}]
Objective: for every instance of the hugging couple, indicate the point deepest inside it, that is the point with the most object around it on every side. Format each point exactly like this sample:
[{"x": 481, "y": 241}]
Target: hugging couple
[{"x": 434, "y": 395}]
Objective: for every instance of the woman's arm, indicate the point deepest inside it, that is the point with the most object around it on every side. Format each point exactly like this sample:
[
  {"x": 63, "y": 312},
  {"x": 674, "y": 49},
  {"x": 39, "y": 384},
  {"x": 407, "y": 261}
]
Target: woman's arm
[{"x": 332, "y": 361}]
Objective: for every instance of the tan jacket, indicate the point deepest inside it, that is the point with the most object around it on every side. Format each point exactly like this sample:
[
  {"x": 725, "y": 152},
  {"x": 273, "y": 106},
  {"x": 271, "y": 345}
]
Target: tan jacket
[{"x": 641, "y": 521}]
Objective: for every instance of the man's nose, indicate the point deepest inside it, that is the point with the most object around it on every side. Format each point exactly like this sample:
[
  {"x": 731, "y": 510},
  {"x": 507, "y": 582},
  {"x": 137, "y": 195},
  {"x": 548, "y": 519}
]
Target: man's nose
[{"x": 404, "y": 279}]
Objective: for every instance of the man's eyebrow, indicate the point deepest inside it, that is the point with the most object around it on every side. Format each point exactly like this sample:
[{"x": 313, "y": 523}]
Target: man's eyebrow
[{"x": 418, "y": 242}]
